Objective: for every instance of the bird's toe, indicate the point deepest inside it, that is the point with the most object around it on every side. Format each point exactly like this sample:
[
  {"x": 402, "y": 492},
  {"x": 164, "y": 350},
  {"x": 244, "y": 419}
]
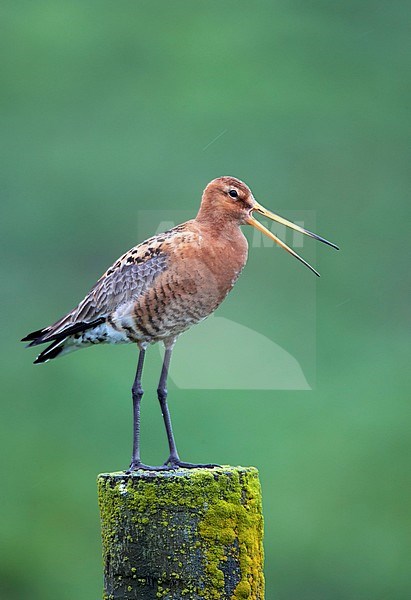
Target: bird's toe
[
  {"x": 142, "y": 467},
  {"x": 179, "y": 464}
]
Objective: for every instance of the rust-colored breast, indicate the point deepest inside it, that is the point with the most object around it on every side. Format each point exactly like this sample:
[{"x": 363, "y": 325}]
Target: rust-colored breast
[{"x": 200, "y": 272}]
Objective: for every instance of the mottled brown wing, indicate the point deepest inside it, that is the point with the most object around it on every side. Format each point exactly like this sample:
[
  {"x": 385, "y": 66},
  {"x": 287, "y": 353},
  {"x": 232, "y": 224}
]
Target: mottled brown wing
[
  {"x": 129, "y": 277},
  {"x": 124, "y": 283}
]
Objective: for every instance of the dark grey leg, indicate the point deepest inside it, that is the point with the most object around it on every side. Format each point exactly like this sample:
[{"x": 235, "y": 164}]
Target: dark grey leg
[
  {"x": 137, "y": 393},
  {"x": 173, "y": 460},
  {"x": 162, "y": 398}
]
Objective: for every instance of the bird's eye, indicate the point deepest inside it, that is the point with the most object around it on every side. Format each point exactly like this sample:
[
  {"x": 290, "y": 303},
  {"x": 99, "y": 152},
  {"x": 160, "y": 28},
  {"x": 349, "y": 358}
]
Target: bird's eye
[{"x": 233, "y": 193}]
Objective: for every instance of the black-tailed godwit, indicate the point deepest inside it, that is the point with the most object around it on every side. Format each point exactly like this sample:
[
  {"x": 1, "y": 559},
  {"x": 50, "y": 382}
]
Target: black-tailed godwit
[{"x": 163, "y": 286}]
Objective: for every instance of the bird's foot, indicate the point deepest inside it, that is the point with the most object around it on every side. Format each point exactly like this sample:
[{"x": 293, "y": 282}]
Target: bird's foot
[
  {"x": 175, "y": 463},
  {"x": 139, "y": 466},
  {"x": 171, "y": 464}
]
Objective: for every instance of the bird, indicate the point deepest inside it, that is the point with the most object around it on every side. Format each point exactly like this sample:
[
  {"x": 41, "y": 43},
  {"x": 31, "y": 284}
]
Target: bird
[{"x": 163, "y": 286}]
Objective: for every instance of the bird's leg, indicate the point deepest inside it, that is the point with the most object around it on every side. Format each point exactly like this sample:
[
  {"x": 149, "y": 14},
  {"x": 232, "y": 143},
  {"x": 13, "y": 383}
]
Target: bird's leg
[
  {"x": 173, "y": 460},
  {"x": 137, "y": 393},
  {"x": 162, "y": 398}
]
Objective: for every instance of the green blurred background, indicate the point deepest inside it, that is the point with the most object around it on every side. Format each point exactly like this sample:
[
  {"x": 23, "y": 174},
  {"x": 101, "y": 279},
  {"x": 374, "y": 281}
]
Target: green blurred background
[{"x": 110, "y": 108}]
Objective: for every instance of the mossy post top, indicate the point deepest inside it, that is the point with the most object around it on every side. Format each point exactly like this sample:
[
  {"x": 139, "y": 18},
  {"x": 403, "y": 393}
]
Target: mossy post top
[
  {"x": 188, "y": 533},
  {"x": 170, "y": 473},
  {"x": 193, "y": 475}
]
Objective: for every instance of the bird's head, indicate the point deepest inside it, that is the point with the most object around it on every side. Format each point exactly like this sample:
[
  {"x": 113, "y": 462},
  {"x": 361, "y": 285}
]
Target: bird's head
[{"x": 227, "y": 200}]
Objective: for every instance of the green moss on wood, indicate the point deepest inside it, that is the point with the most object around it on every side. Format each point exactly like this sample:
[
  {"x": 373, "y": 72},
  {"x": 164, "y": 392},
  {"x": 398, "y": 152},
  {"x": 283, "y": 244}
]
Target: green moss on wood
[{"x": 203, "y": 528}]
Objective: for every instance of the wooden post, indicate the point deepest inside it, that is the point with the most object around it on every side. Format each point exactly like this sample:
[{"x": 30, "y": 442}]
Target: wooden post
[{"x": 189, "y": 534}]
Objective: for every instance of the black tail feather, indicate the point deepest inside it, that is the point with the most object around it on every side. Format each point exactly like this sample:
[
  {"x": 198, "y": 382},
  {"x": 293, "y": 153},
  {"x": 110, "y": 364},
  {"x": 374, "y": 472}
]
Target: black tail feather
[
  {"x": 50, "y": 352},
  {"x": 35, "y": 334},
  {"x": 46, "y": 335}
]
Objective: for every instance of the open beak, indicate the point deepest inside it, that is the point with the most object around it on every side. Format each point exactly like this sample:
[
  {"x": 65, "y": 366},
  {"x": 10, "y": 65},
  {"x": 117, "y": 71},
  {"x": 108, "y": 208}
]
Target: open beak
[{"x": 263, "y": 211}]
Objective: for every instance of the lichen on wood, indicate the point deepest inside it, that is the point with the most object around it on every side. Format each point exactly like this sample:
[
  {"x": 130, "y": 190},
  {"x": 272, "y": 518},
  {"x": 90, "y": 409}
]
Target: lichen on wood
[{"x": 185, "y": 534}]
